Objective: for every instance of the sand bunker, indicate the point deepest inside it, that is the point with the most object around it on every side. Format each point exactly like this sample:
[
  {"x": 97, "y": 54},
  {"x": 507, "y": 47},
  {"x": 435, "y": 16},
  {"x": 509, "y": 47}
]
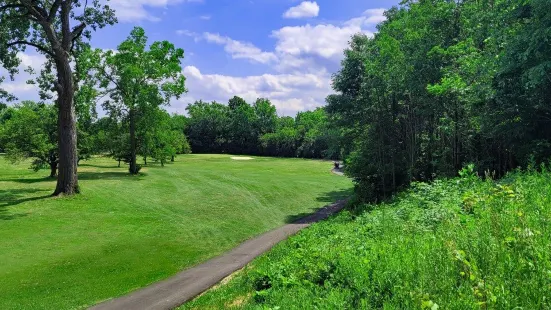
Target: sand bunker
[{"x": 242, "y": 158}]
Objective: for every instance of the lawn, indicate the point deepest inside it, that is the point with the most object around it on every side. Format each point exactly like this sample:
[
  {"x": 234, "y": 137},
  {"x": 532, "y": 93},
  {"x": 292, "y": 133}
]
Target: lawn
[{"x": 125, "y": 232}]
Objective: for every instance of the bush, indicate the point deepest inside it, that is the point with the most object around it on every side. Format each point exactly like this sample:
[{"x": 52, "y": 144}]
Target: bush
[{"x": 462, "y": 243}]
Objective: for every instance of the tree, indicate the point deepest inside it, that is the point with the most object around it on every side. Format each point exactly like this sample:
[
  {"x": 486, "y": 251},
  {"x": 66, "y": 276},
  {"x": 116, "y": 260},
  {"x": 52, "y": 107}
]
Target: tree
[
  {"x": 439, "y": 86},
  {"x": 242, "y": 138},
  {"x": 266, "y": 116},
  {"x": 137, "y": 79},
  {"x": 31, "y": 132},
  {"x": 46, "y": 26},
  {"x": 208, "y": 127}
]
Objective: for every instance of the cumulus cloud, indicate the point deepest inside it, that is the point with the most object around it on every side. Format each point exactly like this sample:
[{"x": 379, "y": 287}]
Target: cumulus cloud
[
  {"x": 327, "y": 41},
  {"x": 240, "y": 50},
  {"x": 290, "y": 93},
  {"x": 305, "y": 9},
  {"x": 19, "y": 86},
  {"x": 303, "y": 56}
]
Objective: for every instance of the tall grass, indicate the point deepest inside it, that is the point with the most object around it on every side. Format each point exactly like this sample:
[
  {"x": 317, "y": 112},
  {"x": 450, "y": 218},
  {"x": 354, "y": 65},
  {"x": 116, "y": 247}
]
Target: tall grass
[{"x": 462, "y": 243}]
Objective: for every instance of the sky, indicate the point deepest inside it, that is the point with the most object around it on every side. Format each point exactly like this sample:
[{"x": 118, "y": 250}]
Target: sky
[{"x": 283, "y": 50}]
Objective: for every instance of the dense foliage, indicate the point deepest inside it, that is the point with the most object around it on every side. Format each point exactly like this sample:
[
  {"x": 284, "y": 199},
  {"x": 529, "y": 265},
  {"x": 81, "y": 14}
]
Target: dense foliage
[
  {"x": 29, "y": 130},
  {"x": 443, "y": 84},
  {"x": 461, "y": 243},
  {"x": 241, "y": 128},
  {"x": 138, "y": 80}
]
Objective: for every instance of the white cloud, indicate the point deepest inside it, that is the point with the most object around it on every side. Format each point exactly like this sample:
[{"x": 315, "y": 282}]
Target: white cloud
[
  {"x": 374, "y": 16},
  {"x": 205, "y": 17},
  {"x": 137, "y": 10},
  {"x": 303, "y": 56},
  {"x": 290, "y": 93},
  {"x": 305, "y": 9},
  {"x": 241, "y": 50},
  {"x": 19, "y": 87},
  {"x": 184, "y": 32},
  {"x": 327, "y": 41}
]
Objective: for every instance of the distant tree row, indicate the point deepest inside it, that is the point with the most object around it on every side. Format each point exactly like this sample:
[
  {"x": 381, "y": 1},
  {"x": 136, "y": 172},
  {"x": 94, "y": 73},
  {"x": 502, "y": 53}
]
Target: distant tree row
[
  {"x": 241, "y": 128},
  {"x": 443, "y": 84},
  {"x": 29, "y": 130}
]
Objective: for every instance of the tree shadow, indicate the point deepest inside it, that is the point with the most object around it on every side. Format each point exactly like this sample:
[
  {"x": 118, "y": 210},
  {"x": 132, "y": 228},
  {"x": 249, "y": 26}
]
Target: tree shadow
[
  {"x": 29, "y": 181},
  {"x": 333, "y": 196},
  {"x": 101, "y": 166},
  {"x": 13, "y": 197},
  {"x": 118, "y": 175},
  {"x": 334, "y": 200},
  {"x": 113, "y": 175}
]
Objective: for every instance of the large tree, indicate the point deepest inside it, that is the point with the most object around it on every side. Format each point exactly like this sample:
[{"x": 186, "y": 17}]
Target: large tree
[
  {"x": 46, "y": 26},
  {"x": 138, "y": 79}
]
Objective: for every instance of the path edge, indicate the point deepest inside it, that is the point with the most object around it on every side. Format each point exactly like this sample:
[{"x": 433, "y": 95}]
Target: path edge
[{"x": 145, "y": 297}]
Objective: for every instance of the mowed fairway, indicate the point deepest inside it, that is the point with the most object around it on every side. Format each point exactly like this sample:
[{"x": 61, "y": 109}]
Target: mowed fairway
[{"x": 125, "y": 232}]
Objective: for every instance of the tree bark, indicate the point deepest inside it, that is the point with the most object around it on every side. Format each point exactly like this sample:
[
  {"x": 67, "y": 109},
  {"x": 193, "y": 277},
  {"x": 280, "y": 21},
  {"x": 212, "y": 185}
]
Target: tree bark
[
  {"x": 133, "y": 167},
  {"x": 67, "y": 181},
  {"x": 53, "y": 169}
]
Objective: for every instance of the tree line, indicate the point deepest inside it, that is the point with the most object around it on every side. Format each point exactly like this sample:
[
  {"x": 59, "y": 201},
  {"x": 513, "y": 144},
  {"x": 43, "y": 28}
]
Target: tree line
[
  {"x": 444, "y": 84},
  {"x": 28, "y": 130},
  {"x": 256, "y": 129}
]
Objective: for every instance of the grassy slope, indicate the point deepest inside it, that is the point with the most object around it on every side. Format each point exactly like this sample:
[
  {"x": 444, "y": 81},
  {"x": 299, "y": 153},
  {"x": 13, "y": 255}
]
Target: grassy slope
[
  {"x": 125, "y": 232},
  {"x": 457, "y": 244}
]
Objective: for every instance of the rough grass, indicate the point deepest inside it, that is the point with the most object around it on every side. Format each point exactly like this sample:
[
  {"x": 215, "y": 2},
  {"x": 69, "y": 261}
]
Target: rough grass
[
  {"x": 455, "y": 244},
  {"x": 125, "y": 232}
]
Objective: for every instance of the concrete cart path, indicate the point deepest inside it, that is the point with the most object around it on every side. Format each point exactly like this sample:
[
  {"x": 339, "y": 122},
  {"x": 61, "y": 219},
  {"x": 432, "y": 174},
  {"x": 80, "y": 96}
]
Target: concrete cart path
[{"x": 175, "y": 291}]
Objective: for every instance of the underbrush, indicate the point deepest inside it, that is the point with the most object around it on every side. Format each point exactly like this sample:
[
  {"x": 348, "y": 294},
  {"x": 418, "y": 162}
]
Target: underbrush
[{"x": 462, "y": 243}]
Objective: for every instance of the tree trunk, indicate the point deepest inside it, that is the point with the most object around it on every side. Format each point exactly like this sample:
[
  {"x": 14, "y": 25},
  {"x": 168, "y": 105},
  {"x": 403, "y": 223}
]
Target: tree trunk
[
  {"x": 133, "y": 167},
  {"x": 67, "y": 181},
  {"x": 119, "y": 162},
  {"x": 172, "y": 159},
  {"x": 53, "y": 169}
]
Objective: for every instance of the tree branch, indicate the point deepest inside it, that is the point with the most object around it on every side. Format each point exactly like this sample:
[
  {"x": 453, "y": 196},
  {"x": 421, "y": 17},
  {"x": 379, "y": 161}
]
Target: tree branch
[
  {"x": 65, "y": 30},
  {"x": 77, "y": 31},
  {"x": 11, "y": 6},
  {"x": 53, "y": 10},
  {"x": 40, "y": 47}
]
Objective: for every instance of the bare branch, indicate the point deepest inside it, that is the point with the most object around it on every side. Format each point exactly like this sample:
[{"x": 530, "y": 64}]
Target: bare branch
[{"x": 40, "y": 47}]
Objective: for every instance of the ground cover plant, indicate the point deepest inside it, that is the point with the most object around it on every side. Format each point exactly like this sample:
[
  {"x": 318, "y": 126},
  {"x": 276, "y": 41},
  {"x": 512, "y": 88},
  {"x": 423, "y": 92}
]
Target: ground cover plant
[
  {"x": 461, "y": 243},
  {"x": 124, "y": 232}
]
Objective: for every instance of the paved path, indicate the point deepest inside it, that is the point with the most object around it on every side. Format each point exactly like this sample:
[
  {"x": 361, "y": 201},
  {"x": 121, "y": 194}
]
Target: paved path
[
  {"x": 175, "y": 291},
  {"x": 338, "y": 171}
]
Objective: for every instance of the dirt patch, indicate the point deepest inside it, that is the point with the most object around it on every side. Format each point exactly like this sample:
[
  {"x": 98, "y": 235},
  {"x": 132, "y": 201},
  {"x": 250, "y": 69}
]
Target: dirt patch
[
  {"x": 237, "y": 302},
  {"x": 242, "y": 158}
]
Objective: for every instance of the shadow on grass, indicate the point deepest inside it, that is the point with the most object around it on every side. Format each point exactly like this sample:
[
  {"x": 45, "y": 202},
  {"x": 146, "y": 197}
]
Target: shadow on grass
[
  {"x": 333, "y": 196},
  {"x": 13, "y": 197},
  {"x": 117, "y": 175},
  {"x": 310, "y": 217},
  {"x": 101, "y": 166}
]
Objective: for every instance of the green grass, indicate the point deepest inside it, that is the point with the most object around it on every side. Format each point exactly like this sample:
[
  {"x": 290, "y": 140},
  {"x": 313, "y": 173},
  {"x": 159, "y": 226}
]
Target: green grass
[
  {"x": 454, "y": 244},
  {"x": 125, "y": 232}
]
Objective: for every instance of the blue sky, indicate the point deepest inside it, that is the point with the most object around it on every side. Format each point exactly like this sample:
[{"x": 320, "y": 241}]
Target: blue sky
[{"x": 284, "y": 50}]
